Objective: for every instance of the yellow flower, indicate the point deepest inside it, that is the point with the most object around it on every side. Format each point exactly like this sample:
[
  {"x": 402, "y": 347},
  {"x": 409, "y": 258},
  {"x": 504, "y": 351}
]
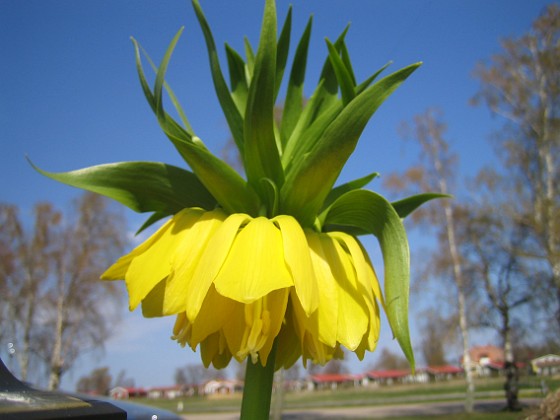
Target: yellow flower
[
  {"x": 237, "y": 283},
  {"x": 247, "y": 263}
]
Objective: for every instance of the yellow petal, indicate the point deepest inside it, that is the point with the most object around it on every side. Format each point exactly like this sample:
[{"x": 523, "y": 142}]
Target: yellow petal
[
  {"x": 187, "y": 256},
  {"x": 211, "y": 262},
  {"x": 353, "y": 319},
  {"x": 255, "y": 265},
  {"x": 210, "y": 319},
  {"x": 118, "y": 270},
  {"x": 367, "y": 284},
  {"x": 296, "y": 255},
  {"x": 326, "y": 315},
  {"x": 154, "y": 264},
  {"x": 214, "y": 350},
  {"x": 275, "y": 304}
]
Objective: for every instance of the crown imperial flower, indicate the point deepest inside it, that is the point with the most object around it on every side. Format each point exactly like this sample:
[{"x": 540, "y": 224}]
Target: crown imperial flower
[{"x": 273, "y": 259}]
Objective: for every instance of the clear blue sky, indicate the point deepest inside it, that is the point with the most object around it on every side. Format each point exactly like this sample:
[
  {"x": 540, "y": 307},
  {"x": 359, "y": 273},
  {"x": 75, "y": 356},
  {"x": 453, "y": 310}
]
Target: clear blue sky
[{"x": 70, "y": 98}]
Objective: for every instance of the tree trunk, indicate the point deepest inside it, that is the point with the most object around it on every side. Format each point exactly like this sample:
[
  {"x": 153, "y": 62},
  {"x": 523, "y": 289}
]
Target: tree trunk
[
  {"x": 459, "y": 281},
  {"x": 511, "y": 385},
  {"x": 57, "y": 362}
]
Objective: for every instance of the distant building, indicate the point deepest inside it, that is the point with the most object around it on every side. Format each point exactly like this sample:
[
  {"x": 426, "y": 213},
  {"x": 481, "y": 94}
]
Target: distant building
[
  {"x": 335, "y": 380},
  {"x": 170, "y": 392},
  {"x": 486, "y": 360},
  {"x": 221, "y": 387},
  {"x": 443, "y": 373},
  {"x": 124, "y": 393},
  {"x": 396, "y": 376},
  {"x": 546, "y": 365}
]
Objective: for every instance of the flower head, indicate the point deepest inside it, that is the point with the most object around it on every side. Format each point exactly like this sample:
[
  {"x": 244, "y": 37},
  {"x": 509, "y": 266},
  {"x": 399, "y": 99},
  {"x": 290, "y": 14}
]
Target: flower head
[{"x": 244, "y": 263}]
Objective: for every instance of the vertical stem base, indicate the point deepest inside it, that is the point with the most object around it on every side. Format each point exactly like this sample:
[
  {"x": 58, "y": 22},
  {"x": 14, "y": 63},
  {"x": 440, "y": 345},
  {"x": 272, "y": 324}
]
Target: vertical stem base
[{"x": 257, "y": 391}]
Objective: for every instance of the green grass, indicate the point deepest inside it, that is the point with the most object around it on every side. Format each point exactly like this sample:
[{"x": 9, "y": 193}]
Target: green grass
[{"x": 370, "y": 396}]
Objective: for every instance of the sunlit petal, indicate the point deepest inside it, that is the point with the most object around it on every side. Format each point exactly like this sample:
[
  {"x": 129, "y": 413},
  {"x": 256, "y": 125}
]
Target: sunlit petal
[
  {"x": 296, "y": 254},
  {"x": 326, "y": 315},
  {"x": 255, "y": 265},
  {"x": 211, "y": 262}
]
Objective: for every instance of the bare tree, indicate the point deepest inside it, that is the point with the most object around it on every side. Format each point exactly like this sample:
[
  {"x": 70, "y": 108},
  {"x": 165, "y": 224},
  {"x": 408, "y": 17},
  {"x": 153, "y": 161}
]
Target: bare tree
[
  {"x": 97, "y": 382},
  {"x": 24, "y": 270},
  {"x": 489, "y": 245},
  {"x": 437, "y": 334},
  {"x": 57, "y": 307},
  {"x": 436, "y": 173},
  {"x": 522, "y": 85},
  {"x": 390, "y": 361}
]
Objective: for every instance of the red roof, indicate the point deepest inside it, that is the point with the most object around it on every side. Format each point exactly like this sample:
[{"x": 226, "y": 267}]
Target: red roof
[
  {"x": 334, "y": 377},
  {"x": 443, "y": 370},
  {"x": 388, "y": 374}
]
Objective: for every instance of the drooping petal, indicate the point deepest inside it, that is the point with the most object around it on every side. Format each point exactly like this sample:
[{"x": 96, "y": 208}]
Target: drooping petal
[
  {"x": 353, "y": 317},
  {"x": 211, "y": 262},
  {"x": 214, "y": 350},
  {"x": 118, "y": 270},
  {"x": 186, "y": 258},
  {"x": 214, "y": 313},
  {"x": 147, "y": 269},
  {"x": 296, "y": 255},
  {"x": 327, "y": 312},
  {"x": 255, "y": 265},
  {"x": 275, "y": 304}
]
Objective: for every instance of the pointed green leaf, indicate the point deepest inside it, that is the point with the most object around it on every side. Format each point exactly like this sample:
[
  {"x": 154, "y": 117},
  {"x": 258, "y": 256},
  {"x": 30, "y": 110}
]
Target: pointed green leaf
[
  {"x": 343, "y": 76},
  {"x": 293, "y": 104},
  {"x": 141, "y": 186},
  {"x": 347, "y": 62},
  {"x": 172, "y": 96},
  {"x": 348, "y": 186},
  {"x": 369, "y": 212},
  {"x": 407, "y": 205},
  {"x": 250, "y": 56},
  {"x": 238, "y": 80},
  {"x": 282, "y": 50},
  {"x": 230, "y": 190},
  {"x": 309, "y": 181},
  {"x": 365, "y": 84},
  {"x": 233, "y": 117},
  {"x": 261, "y": 155}
]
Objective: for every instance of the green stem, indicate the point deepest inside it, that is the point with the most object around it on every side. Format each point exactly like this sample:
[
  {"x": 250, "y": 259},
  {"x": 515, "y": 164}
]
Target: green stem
[{"x": 257, "y": 391}]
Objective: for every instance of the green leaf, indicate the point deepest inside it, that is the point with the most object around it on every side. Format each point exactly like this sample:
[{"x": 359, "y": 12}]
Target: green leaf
[
  {"x": 348, "y": 186},
  {"x": 261, "y": 155},
  {"x": 311, "y": 178},
  {"x": 225, "y": 184},
  {"x": 174, "y": 126},
  {"x": 365, "y": 84},
  {"x": 231, "y": 191},
  {"x": 172, "y": 96},
  {"x": 282, "y": 50},
  {"x": 370, "y": 212},
  {"x": 141, "y": 186},
  {"x": 233, "y": 117},
  {"x": 238, "y": 80},
  {"x": 407, "y": 205},
  {"x": 347, "y": 62},
  {"x": 250, "y": 55},
  {"x": 293, "y": 105},
  {"x": 343, "y": 76}
]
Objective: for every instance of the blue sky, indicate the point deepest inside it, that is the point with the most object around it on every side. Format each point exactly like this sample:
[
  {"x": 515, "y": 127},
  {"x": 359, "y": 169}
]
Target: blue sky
[{"x": 70, "y": 98}]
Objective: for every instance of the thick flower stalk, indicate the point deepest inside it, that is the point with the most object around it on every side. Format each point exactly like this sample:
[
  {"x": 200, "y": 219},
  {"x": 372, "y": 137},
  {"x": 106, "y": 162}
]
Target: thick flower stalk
[{"x": 267, "y": 266}]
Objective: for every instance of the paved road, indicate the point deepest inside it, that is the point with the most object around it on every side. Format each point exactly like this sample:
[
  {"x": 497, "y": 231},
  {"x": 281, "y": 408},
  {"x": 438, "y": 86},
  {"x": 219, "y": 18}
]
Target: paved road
[{"x": 376, "y": 412}]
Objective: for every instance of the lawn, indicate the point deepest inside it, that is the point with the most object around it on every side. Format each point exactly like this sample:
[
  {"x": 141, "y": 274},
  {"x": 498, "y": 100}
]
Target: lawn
[{"x": 490, "y": 388}]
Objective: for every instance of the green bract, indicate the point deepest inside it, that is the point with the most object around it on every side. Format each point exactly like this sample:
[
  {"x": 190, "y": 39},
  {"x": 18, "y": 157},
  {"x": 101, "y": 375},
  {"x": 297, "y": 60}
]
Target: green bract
[{"x": 291, "y": 166}]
